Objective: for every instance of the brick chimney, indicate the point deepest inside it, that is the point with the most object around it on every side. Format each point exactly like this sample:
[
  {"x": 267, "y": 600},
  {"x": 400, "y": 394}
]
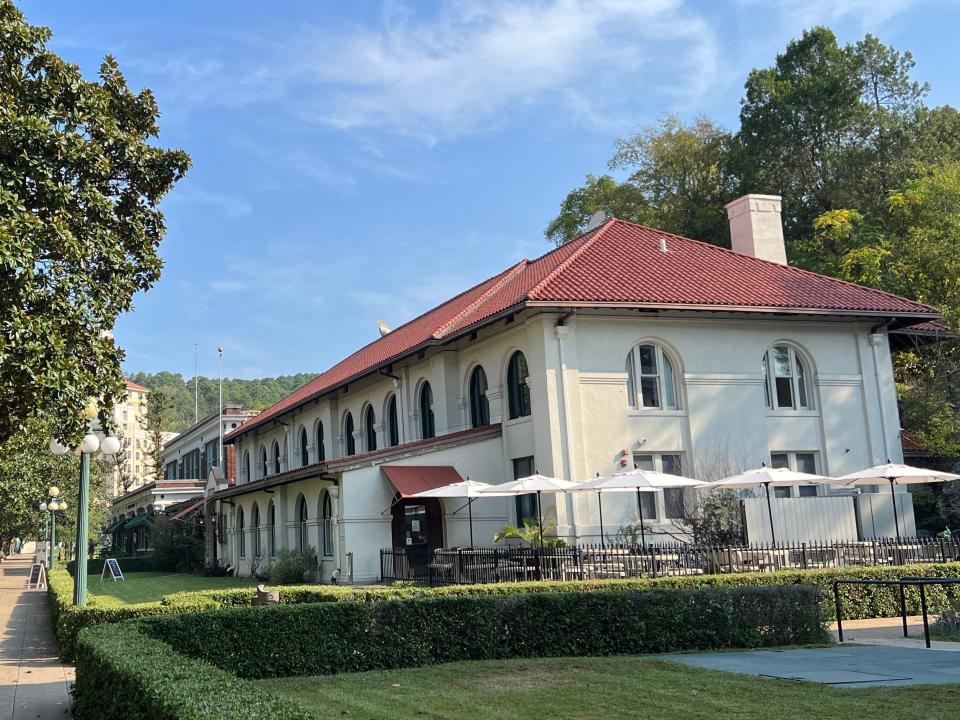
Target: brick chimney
[{"x": 756, "y": 228}]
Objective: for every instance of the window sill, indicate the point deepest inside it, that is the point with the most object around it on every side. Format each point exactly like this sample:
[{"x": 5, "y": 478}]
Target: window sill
[
  {"x": 518, "y": 421},
  {"x": 633, "y": 412},
  {"x": 792, "y": 413}
]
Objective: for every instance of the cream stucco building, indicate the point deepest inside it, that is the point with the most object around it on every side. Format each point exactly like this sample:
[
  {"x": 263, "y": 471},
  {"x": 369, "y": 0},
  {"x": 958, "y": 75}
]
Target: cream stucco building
[{"x": 625, "y": 346}]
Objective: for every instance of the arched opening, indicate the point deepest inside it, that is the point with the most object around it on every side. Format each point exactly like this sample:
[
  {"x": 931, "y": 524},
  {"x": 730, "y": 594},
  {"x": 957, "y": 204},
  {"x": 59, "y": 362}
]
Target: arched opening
[
  {"x": 264, "y": 468},
  {"x": 276, "y": 456},
  {"x": 327, "y": 509},
  {"x": 255, "y": 528},
  {"x": 241, "y": 534},
  {"x": 304, "y": 448},
  {"x": 349, "y": 442},
  {"x": 370, "y": 429},
  {"x": 303, "y": 541},
  {"x": 428, "y": 428},
  {"x": 479, "y": 405},
  {"x": 785, "y": 375},
  {"x": 651, "y": 380},
  {"x": 321, "y": 454},
  {"x": 393, "y": 422},
  {"x": 246, "y": 466},
  {"x": 518, "y": 391},
  {"x": 272, "y": 529}
]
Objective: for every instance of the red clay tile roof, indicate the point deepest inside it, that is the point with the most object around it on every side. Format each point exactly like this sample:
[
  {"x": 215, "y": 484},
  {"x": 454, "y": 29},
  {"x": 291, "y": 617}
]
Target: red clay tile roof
[
  {"x": 619, "y": 263},
  {"x": 131, "y": 385}
]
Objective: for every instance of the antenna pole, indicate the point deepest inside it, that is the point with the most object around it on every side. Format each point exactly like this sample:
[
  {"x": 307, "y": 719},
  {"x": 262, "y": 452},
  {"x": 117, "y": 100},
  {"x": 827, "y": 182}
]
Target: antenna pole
[
  {"x": 220, "y": 414},
  {"x": 196, "y": 387}
]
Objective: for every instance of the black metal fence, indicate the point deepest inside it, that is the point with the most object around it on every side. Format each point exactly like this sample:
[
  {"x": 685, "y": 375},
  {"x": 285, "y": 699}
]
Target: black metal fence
[{"x": 592, "y": 562}]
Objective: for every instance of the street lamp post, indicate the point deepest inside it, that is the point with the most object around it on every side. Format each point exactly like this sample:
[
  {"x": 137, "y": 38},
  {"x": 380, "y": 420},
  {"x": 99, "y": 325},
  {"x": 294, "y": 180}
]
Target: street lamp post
[
  {"x": 51, "y": 505},
  {"x": 89, "y": 445}
]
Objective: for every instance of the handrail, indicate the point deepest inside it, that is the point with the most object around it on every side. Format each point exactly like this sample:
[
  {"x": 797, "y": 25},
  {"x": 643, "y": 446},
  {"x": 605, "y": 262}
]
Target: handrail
[{"x": 910, "y": 581}]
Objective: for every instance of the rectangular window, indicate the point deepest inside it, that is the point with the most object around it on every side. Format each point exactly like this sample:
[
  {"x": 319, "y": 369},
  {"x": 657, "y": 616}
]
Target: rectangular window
[
  {"x": 805, "y": 462},
  {"x": 673, "y": 503},
  {"x": 526, "y": 505},
  {"x": 673, "y": 498}
]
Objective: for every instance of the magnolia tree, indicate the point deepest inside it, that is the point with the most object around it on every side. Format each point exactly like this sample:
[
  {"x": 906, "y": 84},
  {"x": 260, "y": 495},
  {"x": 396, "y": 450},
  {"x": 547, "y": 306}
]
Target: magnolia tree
[{"x": 81, "y": 180}]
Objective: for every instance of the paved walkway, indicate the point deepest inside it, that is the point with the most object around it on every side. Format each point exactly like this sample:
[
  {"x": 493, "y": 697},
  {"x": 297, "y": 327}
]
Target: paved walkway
[{"x": 33, "y": 682}]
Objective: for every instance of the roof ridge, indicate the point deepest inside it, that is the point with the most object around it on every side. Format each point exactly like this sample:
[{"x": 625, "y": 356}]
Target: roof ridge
[
  {"x": 587, "y": 242},
  {"x": 506, "y": 276},
  {"x": 793, "y": 268}
]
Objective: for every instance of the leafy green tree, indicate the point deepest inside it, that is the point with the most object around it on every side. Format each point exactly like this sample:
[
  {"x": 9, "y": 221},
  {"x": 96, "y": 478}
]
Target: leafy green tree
[
  {"x": 80, "y": 187},
  {"x": 159, "y": 417},
  {"x": 598, "y": 193},
  {"x": 28, "y": 469},
  {"x": 796, "y": 120},
  {"x": 678, "y": 181},
  {"x": 251, "y": 394}
]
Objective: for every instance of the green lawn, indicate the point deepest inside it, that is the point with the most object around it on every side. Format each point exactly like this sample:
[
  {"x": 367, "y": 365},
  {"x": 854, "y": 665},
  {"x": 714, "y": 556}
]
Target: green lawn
[
  {"x": 600, "y": 688},
  {"x": 147, "y": 586}
]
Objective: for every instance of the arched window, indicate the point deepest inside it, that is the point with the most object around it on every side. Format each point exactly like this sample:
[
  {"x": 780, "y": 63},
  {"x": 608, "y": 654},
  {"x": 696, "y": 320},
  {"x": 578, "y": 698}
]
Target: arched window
[
  {"x": 321, "y": 455},
  {"x": 272, "y": 529},
  {"x": 255, "y": 528},
  {"x": 276, "y": 456},
  {"x": 651, "y": 381},
  {"x": 393, "y": 422},
  {"x": 479, "y": 405},
  {"x": 785, "y": 379},
  {"x": 241, "y": 535},
  {"x": 518, "y": 392},
  {"x": 327, "y": 503},
  {"x": 428, "y": 428},
  {"x": 370, "y": 426},
  {"x": 303, "y": 541},
  {"x": 246, "y": 466},
  {"x": 350, "y": 444},
  {"x": 264, "y": 469},
  {"x": 304, "y": 448}
]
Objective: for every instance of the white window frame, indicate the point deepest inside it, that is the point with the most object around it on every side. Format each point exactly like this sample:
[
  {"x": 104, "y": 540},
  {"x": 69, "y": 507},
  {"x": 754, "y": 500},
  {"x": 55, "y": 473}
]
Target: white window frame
[
  {"x": 799, "y": 367},
  {"x": 635, "y": 377},
  {"x": 792, "y": 465},
  {"x": 660, "y": 503}
]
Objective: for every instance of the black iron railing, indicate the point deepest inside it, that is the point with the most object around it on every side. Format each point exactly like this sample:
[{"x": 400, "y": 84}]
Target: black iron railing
[{"x": 593, "y": 562}]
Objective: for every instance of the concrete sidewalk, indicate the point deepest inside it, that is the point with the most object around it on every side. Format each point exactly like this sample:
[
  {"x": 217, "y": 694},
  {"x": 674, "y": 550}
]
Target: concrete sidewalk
[{"x": 33, "y": 682}]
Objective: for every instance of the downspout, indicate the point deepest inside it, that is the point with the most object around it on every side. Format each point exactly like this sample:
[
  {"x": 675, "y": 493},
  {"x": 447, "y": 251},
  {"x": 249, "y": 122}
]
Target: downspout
[
  {"x": 875, "y": 338},
  {"x": 561, "y": 330}
]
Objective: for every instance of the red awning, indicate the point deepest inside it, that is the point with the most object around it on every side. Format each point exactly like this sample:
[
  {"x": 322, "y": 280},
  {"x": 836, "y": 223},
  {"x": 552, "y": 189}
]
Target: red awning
[{"x": 408, "y": 480}]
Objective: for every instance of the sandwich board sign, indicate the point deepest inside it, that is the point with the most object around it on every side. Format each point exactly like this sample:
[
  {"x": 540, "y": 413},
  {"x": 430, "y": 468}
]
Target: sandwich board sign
[
  {"x": 38, "y": 576},
  {"x": 111, "y": 570}
]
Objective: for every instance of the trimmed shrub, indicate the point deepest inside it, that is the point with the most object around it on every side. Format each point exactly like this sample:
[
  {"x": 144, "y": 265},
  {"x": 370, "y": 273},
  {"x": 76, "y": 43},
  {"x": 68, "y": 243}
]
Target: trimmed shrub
[
  {"x": 292, "y": 567},
  {"x": 69, "y": 619},
  {"x": 325, "y": 638},
  {"x": 858, "y": 601},
  {"x": 122, "y": 673}
]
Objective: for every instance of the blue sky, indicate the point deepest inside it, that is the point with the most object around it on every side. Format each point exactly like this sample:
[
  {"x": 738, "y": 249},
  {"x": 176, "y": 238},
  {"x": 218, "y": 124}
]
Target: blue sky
[{"x": 356, "y": 161}]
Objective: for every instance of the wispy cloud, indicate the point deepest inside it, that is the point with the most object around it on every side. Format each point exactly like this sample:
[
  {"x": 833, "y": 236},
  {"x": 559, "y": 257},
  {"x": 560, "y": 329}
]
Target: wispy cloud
[
  {"x": 230, "y": 206},
  {"x": 464, "y": 69}
]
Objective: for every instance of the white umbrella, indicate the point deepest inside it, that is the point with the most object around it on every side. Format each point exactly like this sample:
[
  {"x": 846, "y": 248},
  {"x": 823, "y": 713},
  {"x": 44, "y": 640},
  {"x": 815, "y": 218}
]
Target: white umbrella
[
  {"x": 634, "y": 480},
  {"x": 898, "y": 474},
  {"x": 468, "y": 488},
  {"x": 531, "y": 484},
  {"x": 766, "y": 477}
]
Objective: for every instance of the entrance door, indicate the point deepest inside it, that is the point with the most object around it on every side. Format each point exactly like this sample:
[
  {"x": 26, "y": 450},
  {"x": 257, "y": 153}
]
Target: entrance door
[{"x": 417, "y": 530}]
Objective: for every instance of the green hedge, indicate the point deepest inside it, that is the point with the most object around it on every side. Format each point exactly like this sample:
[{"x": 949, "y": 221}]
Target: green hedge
[
  {"x": 123, "y": 674},
  {"x": 69, "y": 619},
  {"x": 324, "y": 638},
  {"x": 858, "y": 601},
  {"x": 128, "y": 565}
]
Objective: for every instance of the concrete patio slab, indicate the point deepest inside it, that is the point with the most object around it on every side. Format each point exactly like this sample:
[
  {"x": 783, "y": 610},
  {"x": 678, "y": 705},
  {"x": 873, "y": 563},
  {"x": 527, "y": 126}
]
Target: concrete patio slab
[{"x": 840, "y": 666}]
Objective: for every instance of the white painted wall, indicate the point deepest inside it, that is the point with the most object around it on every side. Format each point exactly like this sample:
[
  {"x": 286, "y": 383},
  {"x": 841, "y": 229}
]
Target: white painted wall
[{"x": 581, "y": 424}]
